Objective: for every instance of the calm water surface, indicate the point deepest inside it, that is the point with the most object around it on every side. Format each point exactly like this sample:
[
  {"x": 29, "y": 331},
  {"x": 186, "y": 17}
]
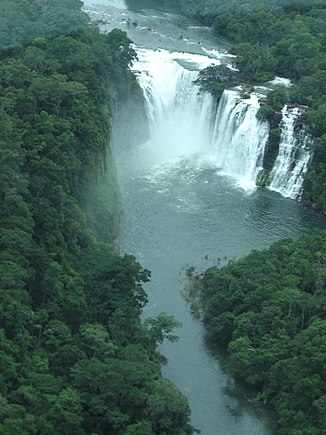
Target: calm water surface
[
  {"x": 186, "y": 214},
  {"x": 181, "y": 213}
]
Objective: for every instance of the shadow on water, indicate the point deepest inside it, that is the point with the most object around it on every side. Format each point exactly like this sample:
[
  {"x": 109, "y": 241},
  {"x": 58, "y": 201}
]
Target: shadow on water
[{"x": 243, "y": 396}]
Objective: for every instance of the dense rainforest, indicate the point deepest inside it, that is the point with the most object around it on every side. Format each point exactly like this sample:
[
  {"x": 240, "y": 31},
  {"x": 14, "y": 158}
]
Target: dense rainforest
[
  {"x": 269, "y": 309},
  {"x": 284, "y": 38},
  {"x": 74, "y": 355}
]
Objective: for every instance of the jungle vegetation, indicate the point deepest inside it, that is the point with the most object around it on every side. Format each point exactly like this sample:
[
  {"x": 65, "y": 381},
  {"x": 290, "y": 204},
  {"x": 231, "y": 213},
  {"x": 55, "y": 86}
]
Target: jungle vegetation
[
  {"x": 284, "y": 38},
  {"x": 269, "y": 310},
  {"x": 74, "y": 355}
]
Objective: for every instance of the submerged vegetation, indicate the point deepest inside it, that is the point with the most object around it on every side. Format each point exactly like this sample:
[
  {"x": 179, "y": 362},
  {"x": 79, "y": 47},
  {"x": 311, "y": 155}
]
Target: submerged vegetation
[
  {"x": 269, "y": 310},
  {"x": 74, "y": 355}
]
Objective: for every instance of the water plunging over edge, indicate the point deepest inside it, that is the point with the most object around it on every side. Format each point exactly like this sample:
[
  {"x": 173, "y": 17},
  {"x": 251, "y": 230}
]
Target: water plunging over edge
[{"x": 293, "y": 157}]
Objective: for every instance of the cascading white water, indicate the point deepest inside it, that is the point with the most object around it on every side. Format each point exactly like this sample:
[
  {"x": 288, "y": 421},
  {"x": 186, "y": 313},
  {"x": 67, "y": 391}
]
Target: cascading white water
[
  {"x": 184, "y": 122},
  {"x": 179, "y": 113},
  {"x": 293, "y": 156},
  {"x": 239, "y": 138}
]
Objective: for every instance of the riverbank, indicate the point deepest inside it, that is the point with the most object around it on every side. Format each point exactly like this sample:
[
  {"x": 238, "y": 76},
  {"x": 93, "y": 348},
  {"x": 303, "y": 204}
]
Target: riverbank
[
  {"x": 77, "y": 358},
  {"x": 267, "y": 310}
]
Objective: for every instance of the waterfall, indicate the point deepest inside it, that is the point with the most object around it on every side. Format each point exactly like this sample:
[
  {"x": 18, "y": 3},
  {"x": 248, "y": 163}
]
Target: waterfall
[
  {"x": 179, "y": 114},
  {"x": 293, "y": 156},
  {"x": 185, "y": 122},
  {"x": 239, "y": 138}
]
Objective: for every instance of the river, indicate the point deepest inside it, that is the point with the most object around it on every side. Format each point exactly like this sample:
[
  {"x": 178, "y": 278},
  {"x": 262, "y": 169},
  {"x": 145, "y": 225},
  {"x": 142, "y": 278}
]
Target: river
[{"x": 179, "y": 210}]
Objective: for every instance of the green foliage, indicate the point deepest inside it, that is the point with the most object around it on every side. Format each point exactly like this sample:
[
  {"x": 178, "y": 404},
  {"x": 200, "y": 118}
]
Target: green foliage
[
  {"x": 284, "y": 38},
  {"x": 256, "y": 63},
  {"x": 167, "y": 408},
  {"x": 161, "y": 327},
  {"x": 208, "y": 9},
  {"x": 276, "y": 99},
  {"x": 265, "y": 112},
  {"x": 74, "y": 356},
  {"x": 21, "y": 20},
  {"x": 271, "y": 152},
  {"x": 270, "y": 111},
  {"x": 269, "y": 309},
  {"x": 315, "y": 180},
  {"x": 216, "y": 78},
  {"x": 310, "y": 90}
]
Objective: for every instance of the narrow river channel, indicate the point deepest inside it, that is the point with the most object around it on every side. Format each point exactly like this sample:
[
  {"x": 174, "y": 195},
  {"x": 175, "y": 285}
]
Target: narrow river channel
[{"x": 179, "y": 210}]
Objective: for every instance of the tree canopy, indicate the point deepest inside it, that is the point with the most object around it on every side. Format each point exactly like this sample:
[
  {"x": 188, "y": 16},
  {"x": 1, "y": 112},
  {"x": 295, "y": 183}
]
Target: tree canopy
[
  {"x": 74, "y": 355},
  {"x": 21, "y": 21},
  {"x": 269, "y": 310},
  {"x": 284, "y": 38}
]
